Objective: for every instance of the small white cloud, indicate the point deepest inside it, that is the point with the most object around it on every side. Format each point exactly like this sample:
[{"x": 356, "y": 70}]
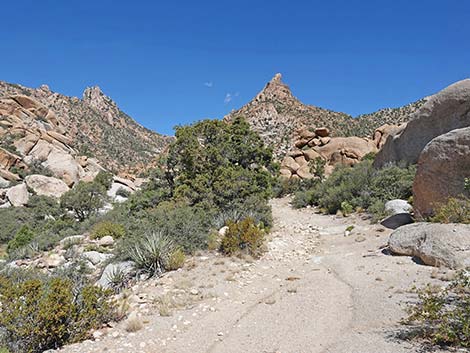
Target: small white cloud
[
  {"x": 228, "y": 98},
  {"x": 209, "y": 84}
]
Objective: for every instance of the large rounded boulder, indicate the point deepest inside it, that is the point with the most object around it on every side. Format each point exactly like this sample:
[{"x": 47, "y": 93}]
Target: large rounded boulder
[
  {"x": 445, "y": 111},
  {"x": 46, "y": 186},
  {"x": 435, "y": 244},
  {"x": 442, "y": 168}
]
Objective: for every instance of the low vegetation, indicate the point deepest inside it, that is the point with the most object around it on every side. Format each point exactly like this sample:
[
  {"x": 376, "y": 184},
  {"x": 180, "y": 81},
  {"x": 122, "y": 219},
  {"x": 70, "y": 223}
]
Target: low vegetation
[
  {"x": 441, "y": 315},
  {"x": 361, "y": 187},
  {"x": 455, "y": 210},
  {"x": 243, "y": 236},
  {"x": 107, "y": 228},
  {"x": 40, "y": 313},
  {"x": 215, "y": 174}
]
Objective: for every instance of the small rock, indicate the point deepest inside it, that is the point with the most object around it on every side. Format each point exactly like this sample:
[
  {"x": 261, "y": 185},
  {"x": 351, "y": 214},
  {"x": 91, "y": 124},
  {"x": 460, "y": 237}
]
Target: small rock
[
  {"x": 223, "y": 231},
  {"x": 72, "y": 239},
  {"x": 96, "y": 257},
  {"x": 106, "y": 241}
]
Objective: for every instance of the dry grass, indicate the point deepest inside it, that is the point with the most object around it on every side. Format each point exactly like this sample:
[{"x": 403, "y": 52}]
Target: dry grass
[
  {"x": 3, "y": 251},
  {"x": 164, "y": 305},
  {"x": 134, "y": 323}
]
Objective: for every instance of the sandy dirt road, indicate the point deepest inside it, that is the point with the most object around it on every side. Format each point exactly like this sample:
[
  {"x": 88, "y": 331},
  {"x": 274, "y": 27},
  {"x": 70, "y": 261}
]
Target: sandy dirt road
[{"x": 314, "y": 290}]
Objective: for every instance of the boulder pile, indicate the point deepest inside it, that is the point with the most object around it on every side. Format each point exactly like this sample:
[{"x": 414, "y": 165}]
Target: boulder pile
[
  {"x": 36, "y": 154},
  {"x": 316, "y": 144}
]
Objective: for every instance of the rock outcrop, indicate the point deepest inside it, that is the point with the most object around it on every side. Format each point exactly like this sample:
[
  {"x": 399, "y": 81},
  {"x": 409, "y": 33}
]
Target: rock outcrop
[
  {"x": 39, "y": 140},
  {"x": 445, "y": 111},
  {"x": 383, "y": 132},
  {"x": 442, "y": 168},
  {"x": 46, "y": 186},
  {"x": 316, "y": 144},
  {"x": 434, "y": 244},
  {"x": 18, "y": 195}
]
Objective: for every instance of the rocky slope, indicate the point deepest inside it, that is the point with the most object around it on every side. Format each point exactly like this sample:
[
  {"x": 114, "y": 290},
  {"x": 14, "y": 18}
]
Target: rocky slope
[
  {"x": 278, "y": 116},
  {"x": 95, "y": 126}
]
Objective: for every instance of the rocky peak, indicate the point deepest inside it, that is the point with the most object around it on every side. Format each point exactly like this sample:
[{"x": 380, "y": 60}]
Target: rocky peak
[
  {"x": 275, "y": 90},
  {"x": 45, "y": 88},
  {"x": 95, "y": 98}
]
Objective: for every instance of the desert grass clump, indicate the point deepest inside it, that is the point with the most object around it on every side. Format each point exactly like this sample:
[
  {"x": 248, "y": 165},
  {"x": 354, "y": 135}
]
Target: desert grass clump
[
  {"x": 106, "y": 228},
  {"x": 441, "y": 315},
  {"x": 244, "y": 236},
  {"x": 151, "y": 253},
  {"x": 176, "y": 259},
  {"x": 134, "y": 323}
]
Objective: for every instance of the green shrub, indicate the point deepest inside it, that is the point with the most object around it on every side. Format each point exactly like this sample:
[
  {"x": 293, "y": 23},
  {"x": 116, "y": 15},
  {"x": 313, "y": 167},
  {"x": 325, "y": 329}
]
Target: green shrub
[
  {"x": 392, "y": 182},
  {"x": 151, "y": 253},
  {"x": 359, "y": 187},
  {"x": 22, "y": 238},
  {"x": 187, "y": 227},
  {"x": 123, "y": 193},
  {"x": 12, "y": 219},
  {"x": 284, "y": 187},
  {"x": 442, "y": 314},
  {"x": 106, "y": 228},
  {"x": 84, "y": 200},
  {"x": 454, "y": 211},
  {"x": 303, "y": 198},
  {"x": 243, "y": 236},
  {"x": 346, "y": 208},
  {"x": 38, "y": 314},
  {"x": 105, "y": 179},
  {"x": 34, "y": 215}
]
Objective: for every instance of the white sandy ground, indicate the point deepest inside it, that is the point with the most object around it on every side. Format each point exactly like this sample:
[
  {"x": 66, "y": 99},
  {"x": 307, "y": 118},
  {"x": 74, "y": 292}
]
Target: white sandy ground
[{"x": 314, "y": 290}]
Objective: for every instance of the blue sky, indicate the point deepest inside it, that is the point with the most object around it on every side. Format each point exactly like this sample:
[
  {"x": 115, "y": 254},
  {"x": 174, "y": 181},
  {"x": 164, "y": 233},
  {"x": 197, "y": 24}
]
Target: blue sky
[{"x": 174, "y": 62}]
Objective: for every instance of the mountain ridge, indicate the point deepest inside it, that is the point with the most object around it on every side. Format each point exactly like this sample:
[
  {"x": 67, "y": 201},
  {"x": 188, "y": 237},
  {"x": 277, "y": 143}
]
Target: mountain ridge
[
  {"x": 97, "y": 127},
  {"x": 277, "y": 115}
]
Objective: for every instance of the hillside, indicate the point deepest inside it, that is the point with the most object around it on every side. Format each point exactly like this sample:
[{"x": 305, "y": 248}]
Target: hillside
[
  {"x": 97, "y": 127},
  {"x": 367, "y": 123},
  {"x": 277, "y": 115}
]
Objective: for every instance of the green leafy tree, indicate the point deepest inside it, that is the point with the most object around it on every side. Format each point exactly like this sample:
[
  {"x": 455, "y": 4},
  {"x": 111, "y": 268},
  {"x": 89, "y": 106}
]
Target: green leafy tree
[
  {"x": 104, "y": 178},
  {"x": 22, "y": 238},
  {"x": 84, "y": 200},
  {"x": 219, "y": 164}
]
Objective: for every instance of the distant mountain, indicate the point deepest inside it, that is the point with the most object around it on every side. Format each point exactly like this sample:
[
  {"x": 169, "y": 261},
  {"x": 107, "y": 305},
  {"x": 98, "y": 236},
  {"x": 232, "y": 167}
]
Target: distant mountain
[
  {"x": 97, "y": 127},
  {"x": 278, "y": 116}
]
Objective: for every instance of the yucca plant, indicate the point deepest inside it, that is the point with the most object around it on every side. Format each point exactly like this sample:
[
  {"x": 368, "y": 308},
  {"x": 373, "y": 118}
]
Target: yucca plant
[
  {"x": 151, "y": 253},
  {"x": 118, "y": 279}
]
